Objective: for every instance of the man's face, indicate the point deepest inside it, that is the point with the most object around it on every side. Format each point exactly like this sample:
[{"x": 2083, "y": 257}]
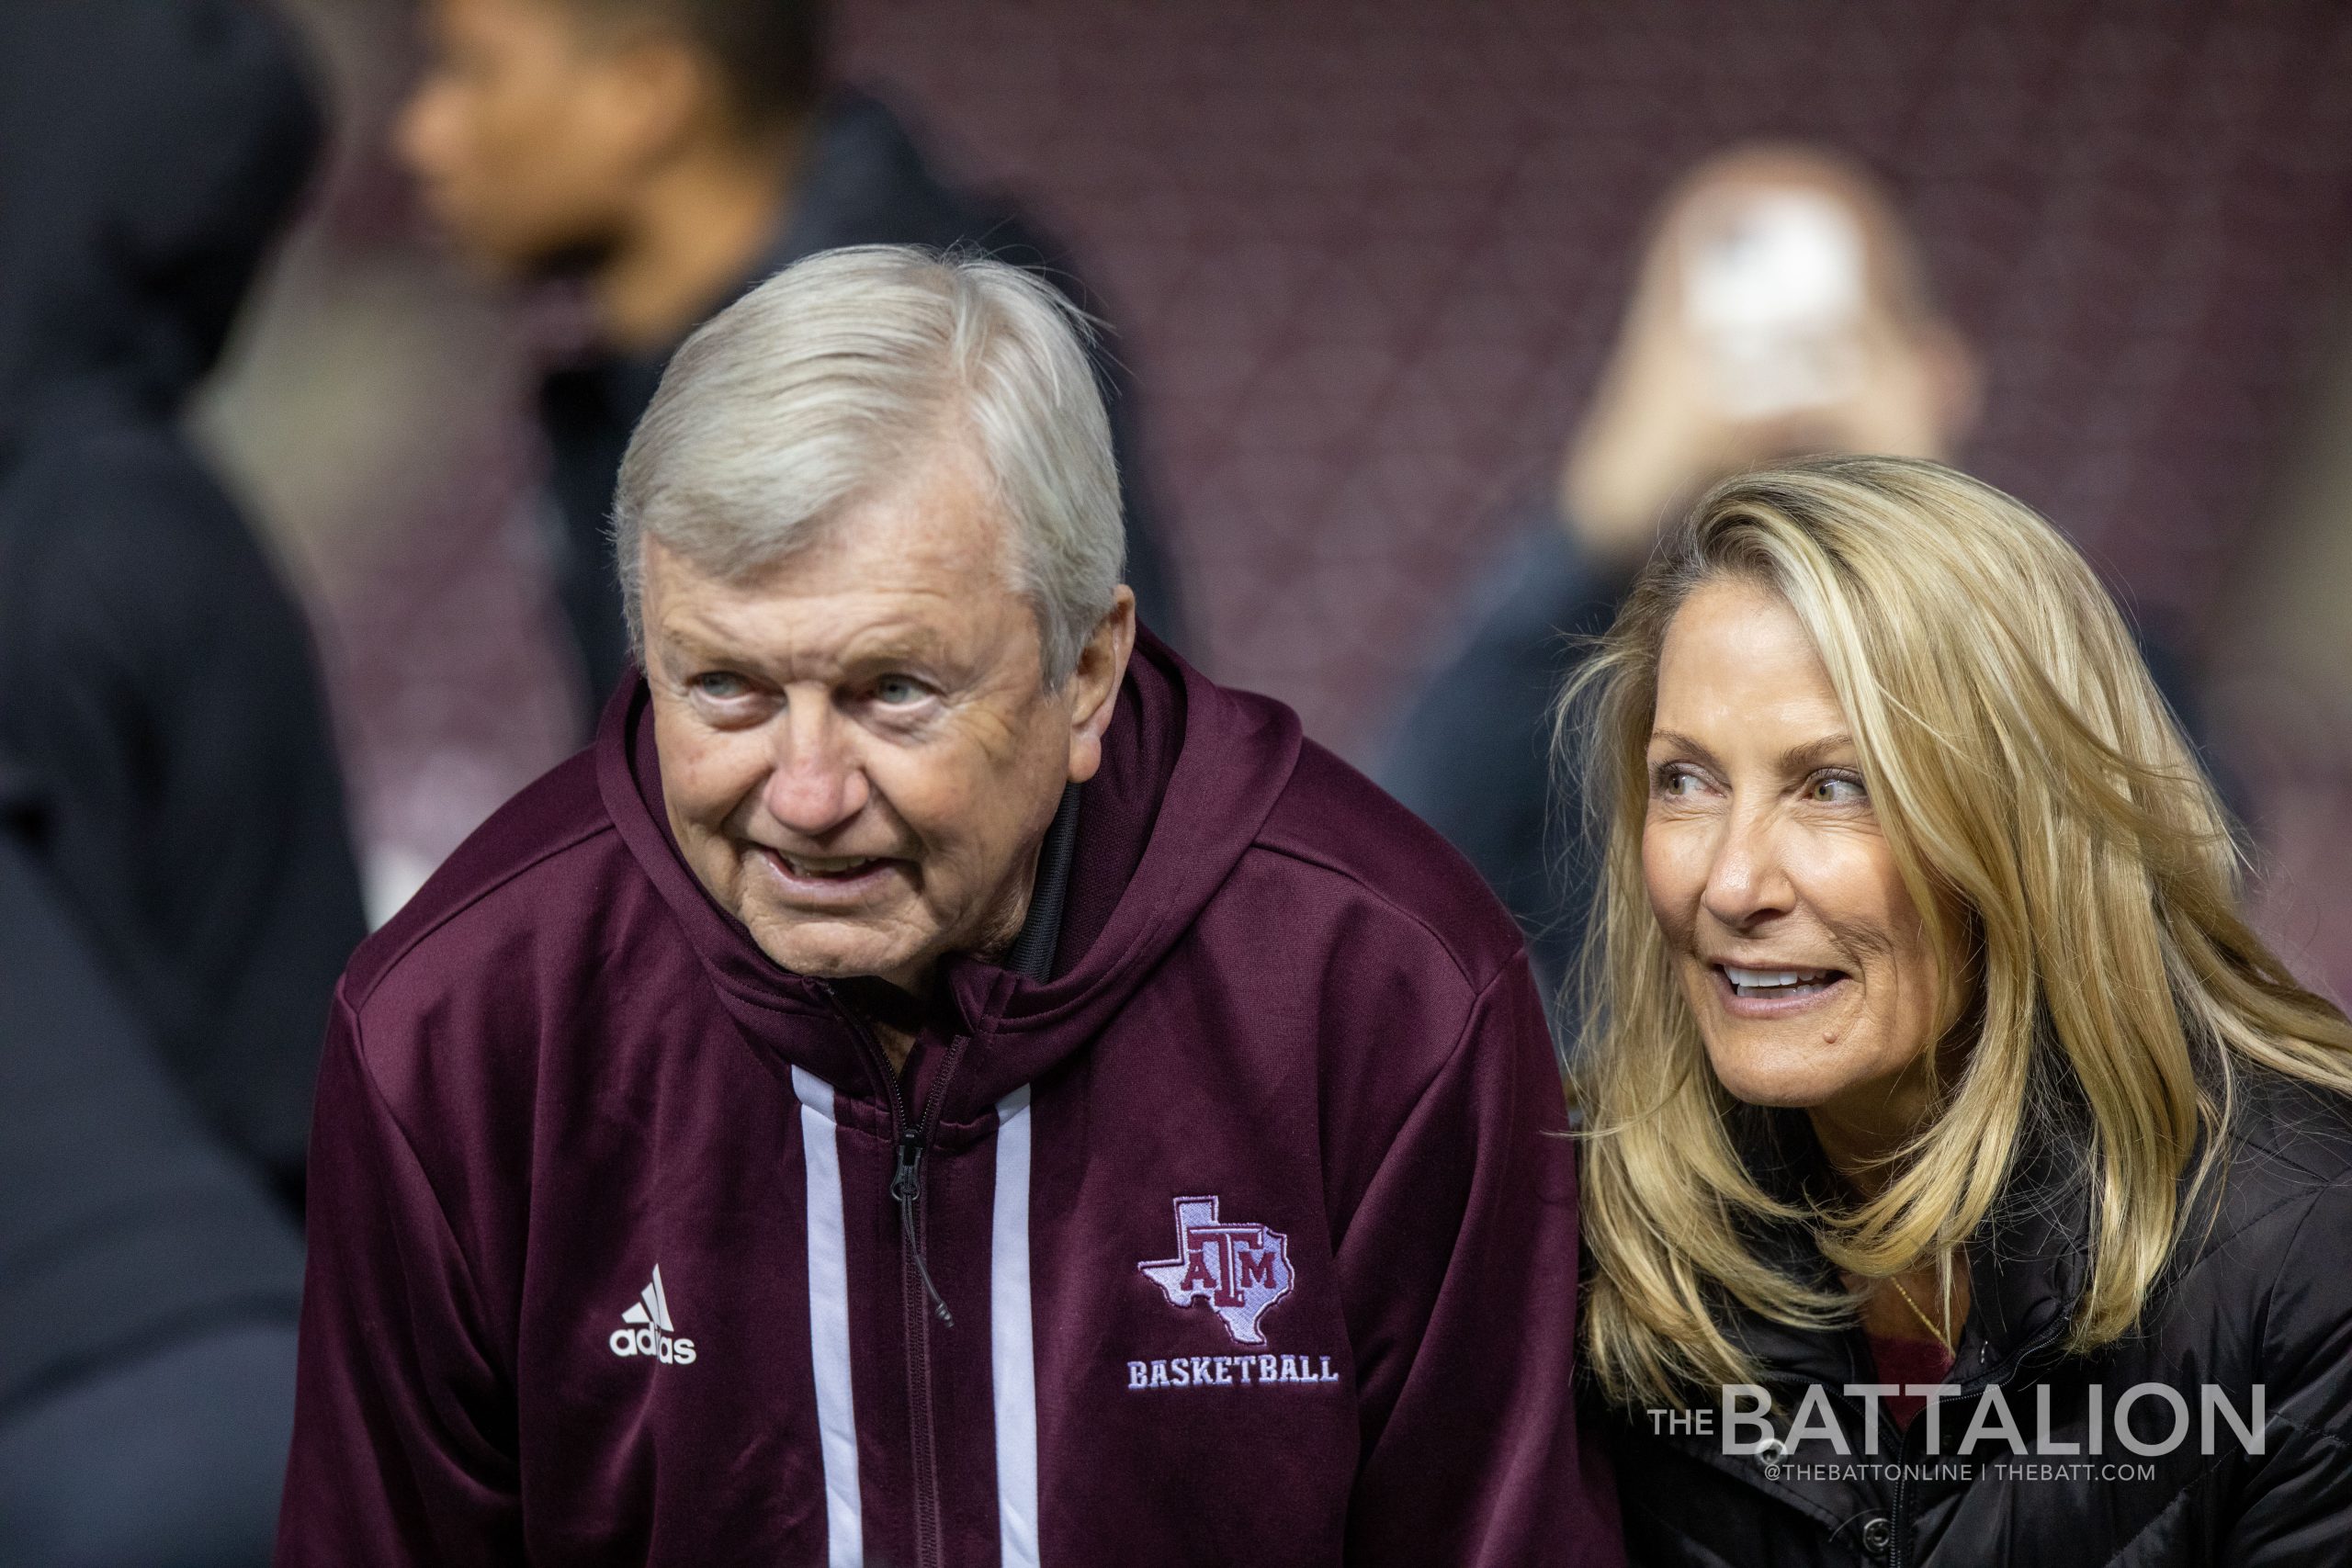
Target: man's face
[
  {"x": 527, "y": 131},
  {"x": 859, "y": 757}
]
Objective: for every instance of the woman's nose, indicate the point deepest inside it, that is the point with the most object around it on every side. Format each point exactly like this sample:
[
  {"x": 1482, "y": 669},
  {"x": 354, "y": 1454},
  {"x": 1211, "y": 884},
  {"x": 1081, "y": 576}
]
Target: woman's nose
[{"x": 1746, "y": 881}]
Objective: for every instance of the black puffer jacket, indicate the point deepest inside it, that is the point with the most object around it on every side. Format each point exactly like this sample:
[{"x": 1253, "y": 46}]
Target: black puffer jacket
[
  {"x": 157, "y": 693},
  {"x": 2258, "y": 1296}
]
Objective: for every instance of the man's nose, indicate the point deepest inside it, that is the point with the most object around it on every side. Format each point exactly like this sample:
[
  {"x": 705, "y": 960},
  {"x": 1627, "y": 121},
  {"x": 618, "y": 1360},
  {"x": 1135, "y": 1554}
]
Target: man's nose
[
  {"x": 1747, "y": 879},
  {"x": 817, "y": 783}
]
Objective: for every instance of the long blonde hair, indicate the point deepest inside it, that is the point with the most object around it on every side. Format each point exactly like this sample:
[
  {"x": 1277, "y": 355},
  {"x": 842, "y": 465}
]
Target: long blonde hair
[{"x": 2072, "y": 863}]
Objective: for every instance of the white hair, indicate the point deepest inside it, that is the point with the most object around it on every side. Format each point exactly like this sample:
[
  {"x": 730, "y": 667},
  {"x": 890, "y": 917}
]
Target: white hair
[{"x": 817, "y": 387}]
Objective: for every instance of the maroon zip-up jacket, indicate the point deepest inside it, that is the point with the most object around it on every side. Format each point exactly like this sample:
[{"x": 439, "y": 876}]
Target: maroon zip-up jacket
[{"x": 1250, "y": 1214}]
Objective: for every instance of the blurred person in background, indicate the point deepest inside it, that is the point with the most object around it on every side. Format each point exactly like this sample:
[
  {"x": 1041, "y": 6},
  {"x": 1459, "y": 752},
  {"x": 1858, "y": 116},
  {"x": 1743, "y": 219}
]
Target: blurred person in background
[
  {"x": 147, "y": 1385},
  {"x": 1781, "y": 307},
  {"x": 668, "y": 154},
  {"x": 157, "y": 688}
]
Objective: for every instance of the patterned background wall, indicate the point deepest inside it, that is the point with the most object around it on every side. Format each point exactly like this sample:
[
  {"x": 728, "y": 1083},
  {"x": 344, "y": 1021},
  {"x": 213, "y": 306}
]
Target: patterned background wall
[
  {"x": 1367, "y": 256},
  {"x": 1370, "y": 254}
]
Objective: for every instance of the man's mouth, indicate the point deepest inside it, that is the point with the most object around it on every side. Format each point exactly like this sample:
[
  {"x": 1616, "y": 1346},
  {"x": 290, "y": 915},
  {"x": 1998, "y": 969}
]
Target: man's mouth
[
  {"x": 827, "y": 867},
  {"x": 815, "y": 873}
]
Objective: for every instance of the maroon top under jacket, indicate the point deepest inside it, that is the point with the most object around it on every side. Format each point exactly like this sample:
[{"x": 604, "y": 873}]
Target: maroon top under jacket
[{"x": 1257, "y": 1240}]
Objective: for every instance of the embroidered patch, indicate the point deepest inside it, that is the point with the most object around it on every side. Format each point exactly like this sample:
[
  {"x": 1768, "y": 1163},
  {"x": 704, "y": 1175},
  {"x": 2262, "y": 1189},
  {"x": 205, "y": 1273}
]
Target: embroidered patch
[{"x": 1239, "y": 1271}]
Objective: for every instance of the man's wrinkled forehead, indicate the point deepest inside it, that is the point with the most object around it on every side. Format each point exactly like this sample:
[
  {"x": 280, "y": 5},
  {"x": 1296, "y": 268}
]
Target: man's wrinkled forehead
[
  {"x": 919, "y": 570},
  {"x": 771, "y": 619}
]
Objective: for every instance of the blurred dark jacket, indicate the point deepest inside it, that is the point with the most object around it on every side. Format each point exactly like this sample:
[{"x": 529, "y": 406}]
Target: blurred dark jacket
[
  {"x": 126, "y": 1226},
  {"x": 158, "y": 691},
  {"x": 863, "y": 183},
  {"x": 1473, "y": 754}
]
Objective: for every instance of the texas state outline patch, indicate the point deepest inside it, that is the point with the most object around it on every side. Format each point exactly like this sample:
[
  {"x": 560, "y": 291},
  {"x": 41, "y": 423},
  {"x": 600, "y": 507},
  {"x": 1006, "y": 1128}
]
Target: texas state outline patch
[{"x": 1237, "y": 1269}]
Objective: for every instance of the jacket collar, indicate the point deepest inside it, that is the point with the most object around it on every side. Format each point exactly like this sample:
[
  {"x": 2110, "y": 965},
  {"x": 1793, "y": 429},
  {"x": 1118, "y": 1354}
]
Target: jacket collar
[{"x": 2027, "y": 1262}]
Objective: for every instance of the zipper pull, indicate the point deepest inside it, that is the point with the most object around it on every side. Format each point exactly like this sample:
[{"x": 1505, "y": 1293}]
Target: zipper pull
[
  {"x": 903, "y": 1181},
  {"x": 906, "y": 1186}
]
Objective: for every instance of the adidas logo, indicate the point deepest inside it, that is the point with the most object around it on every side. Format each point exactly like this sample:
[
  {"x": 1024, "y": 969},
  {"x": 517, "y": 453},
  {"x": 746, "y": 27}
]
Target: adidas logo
[{"x": 653, "y": 1332}]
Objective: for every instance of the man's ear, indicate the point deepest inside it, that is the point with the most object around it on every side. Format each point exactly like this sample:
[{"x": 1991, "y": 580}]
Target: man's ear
[
  {"x": 654, "y": 564},
  {"x": 1094, "y": 684}
]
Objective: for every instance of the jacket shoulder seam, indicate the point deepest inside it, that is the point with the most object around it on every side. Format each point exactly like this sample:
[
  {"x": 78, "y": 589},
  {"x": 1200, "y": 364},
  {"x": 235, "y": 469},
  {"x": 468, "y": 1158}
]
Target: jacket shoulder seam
[
  {"x": 504, "y": 878},
  {"x": 1469, "y": 977}
]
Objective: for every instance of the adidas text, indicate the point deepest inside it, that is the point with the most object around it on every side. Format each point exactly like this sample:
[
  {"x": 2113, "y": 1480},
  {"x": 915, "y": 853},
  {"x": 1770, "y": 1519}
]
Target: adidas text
[{"x": 651, "y": 1342}]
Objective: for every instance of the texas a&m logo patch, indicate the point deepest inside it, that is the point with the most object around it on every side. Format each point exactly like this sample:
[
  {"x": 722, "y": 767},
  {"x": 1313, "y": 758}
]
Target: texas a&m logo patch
[{"x": 1239, "y": 1271}]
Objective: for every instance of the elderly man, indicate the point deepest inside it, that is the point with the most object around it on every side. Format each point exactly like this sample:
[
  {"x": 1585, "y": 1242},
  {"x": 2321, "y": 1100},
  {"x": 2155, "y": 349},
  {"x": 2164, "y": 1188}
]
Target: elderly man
[{"x": 938, "y": 1081}]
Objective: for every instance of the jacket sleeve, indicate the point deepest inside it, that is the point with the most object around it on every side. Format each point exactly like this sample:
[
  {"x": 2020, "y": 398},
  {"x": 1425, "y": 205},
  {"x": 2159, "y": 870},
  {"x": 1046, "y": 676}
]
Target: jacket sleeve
[
  {"x": 404, "y": 1427},
  {"x": 1459, "y": 1274},
  {"x": 2296, "y": 1505}
]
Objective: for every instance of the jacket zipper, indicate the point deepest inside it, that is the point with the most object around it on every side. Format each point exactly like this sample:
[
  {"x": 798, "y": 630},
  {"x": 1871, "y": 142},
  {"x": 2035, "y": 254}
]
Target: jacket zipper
[
  {"x": 1898, "y": 1532},
  {"x": 929, "y": 1553},
  {"x": 1895, "y": 1540},
  {"x": 911, "y": 1139}
]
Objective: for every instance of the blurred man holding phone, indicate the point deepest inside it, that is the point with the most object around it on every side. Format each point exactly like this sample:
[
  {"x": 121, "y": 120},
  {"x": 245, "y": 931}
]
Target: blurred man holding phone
[{"x": 1781, "y": 307}]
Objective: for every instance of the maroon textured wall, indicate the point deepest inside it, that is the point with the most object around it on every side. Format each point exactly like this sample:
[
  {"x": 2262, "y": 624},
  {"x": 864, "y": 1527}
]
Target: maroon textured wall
[{"x": 1368, "y": 254}]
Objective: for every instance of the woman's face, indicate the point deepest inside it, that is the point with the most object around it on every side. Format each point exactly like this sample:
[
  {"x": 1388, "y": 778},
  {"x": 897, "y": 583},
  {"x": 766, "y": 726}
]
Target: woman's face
[{"x": 1801, "y": 954}]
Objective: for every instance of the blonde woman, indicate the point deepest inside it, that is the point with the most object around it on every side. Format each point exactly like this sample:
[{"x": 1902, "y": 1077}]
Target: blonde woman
[{"x": 1965, "y": 1181}]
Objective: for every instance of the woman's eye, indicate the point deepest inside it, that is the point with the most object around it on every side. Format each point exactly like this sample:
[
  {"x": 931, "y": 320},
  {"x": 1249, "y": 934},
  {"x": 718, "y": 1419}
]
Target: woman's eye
[
  {"x": 1676, "y": 780},
  {"x": 1839, "y": 789}
]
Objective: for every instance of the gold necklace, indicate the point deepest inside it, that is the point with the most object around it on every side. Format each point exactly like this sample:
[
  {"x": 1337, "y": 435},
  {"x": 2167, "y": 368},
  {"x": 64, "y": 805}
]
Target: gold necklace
[{"x": 1942, "y": 1337}]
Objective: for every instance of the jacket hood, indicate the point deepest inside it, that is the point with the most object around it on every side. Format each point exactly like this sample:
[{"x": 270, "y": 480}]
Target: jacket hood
[
  {"x": 150, "y": 150},
  {"x": 1190, "y": 773}
]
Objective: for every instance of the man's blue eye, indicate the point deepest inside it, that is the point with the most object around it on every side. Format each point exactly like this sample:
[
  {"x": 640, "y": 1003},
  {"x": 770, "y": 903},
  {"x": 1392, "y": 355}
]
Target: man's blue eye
[
  {"x": 897, "y": 689},
  {"x": 718, "y": 686}
]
